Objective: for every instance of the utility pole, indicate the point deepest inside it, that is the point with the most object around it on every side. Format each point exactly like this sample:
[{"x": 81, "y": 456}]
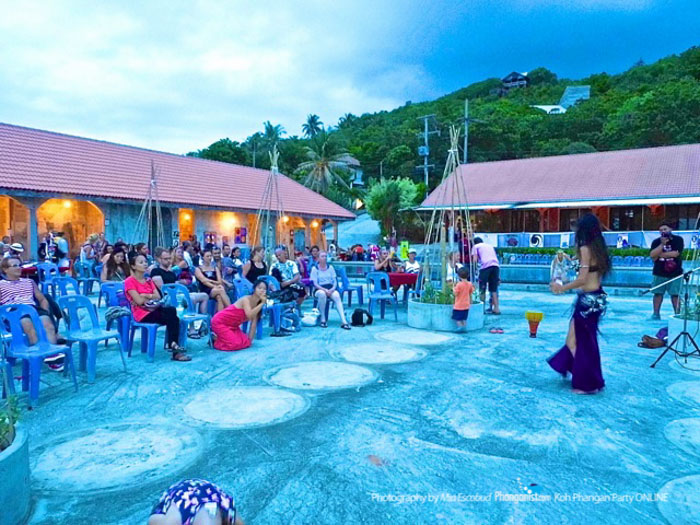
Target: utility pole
[
  {"x": 424, "y": 150},
  {"x": 467, "y": 120}
]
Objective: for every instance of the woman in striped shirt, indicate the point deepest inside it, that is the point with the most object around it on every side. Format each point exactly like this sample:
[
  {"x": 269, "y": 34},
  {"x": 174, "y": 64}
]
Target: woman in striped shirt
[{"x": 16, "y": 290}]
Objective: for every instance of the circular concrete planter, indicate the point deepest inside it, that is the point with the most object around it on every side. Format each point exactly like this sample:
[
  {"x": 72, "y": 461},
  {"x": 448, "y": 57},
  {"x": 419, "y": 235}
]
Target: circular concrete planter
[
  {"x": 15, "y": 487},
  {"x": 427, "y": 316}
]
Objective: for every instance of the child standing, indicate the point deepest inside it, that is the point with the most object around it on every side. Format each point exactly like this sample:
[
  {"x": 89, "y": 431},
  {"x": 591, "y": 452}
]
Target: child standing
[{"x": 463, "y": 299}]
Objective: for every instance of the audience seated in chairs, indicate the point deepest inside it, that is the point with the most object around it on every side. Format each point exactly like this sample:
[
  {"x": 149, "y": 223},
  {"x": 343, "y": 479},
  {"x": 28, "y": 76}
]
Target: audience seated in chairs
[
  {"x": 325, "y": 285},
  {"x": 116, "y": 268},
  {"x": 144, "y": 297},
  {"x": 14, "y": 289},
  {"x": 210, "y": 282},
  {"x": 287, "y": 273}
]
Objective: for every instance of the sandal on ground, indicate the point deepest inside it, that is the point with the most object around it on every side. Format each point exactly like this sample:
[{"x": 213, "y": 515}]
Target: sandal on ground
[
  {"x": 194, "y": 335},
  {"x": 176, "y": 348},
  {"x": 181, "y": 356},
  {"x": 493, "y": 331},
  {"x": 345, "y": 326},
  {"x": 324, "y": 324}
]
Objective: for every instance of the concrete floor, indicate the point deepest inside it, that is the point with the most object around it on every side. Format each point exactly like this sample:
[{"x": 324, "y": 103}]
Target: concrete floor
[{"x": 451, "y": 434}]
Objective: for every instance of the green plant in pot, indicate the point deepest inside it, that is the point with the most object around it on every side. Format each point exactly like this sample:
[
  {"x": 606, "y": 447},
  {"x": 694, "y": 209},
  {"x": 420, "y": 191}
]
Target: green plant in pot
[{"x": 9, "y": 413}]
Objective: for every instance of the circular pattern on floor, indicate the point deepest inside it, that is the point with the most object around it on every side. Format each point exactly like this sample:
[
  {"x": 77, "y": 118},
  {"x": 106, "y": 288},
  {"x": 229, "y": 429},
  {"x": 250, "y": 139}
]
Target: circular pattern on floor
[
  {"x": 320, "y": 375},
  {"x": 114, "y": 457},
  {"x": 682, "y": 505},
  {"x": 685, "y": 391},
  {"x": 379, "y": 354},
  {"x": 415, "y": 337},
  {"x": 246, "y": 406},
  {"x": 693, "y": 363},
  {"x": 685, "y": 434}
]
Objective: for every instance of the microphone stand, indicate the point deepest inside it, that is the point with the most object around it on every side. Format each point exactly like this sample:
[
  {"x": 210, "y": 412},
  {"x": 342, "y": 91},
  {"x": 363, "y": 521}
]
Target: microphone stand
[{"x": 684, "y": 336}]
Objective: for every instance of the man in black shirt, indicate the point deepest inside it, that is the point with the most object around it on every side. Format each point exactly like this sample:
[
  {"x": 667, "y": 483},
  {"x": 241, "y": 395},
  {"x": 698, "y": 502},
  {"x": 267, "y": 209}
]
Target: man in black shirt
[{"x": 666, "y": 253}]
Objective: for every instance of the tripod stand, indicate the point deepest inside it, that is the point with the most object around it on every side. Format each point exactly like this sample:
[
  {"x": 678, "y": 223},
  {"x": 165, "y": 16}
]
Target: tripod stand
[{"x": 684, "y": 337}]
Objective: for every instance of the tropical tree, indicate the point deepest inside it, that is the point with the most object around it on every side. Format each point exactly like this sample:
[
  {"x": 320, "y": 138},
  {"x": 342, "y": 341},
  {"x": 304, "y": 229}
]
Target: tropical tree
[
  {"x": 346, "y": 120},
  {"x": 325, "y": 166},
  {"x": 272, "y": 134},
  {"x": 387, "y": 197},
  {"x": 312, "y": 126},
  {"x": 224, "y": 150}
]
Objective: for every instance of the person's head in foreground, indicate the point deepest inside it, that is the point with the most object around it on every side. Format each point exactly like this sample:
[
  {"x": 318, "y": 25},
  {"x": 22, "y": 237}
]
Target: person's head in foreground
[
  {"x": 666, "y": 229},
  {"x": 463, "y": 273},
  {"x": 258, "y": 254},
  {"x": 194, "y": 502},
  {"x": 412, "y": 255},
  {"x": 560, "y": 255},
  {"x": 260, "y": 289},
  {"x": 588, "y": 233}
]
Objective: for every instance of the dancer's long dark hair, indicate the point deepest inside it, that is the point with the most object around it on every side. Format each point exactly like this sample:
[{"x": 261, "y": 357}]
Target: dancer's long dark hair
[{"x": 588, "y": 233}]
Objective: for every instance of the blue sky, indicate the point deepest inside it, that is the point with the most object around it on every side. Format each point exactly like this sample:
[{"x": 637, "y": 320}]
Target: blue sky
[{"x": 177, "y": 76}]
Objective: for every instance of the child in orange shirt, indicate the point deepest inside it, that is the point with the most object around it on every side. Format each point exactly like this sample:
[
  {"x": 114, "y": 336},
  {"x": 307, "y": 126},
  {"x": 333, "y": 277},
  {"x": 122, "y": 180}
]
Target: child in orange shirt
[{"x": 463, "y": 299}]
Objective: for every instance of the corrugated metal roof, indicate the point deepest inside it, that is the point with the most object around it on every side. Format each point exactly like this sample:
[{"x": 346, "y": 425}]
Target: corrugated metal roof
[
  {"x": 44, "y": 161},
  {"x": 669, "y": 171}
]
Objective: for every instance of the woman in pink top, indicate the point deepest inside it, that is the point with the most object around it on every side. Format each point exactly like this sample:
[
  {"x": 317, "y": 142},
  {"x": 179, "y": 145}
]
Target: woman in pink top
[{"x": 144, "y": 295}]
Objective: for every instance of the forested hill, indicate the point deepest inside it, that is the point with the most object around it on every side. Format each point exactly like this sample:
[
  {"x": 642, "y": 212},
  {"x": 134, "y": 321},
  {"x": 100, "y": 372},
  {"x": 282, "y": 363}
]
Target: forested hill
[{"x": 649, "y": 105}]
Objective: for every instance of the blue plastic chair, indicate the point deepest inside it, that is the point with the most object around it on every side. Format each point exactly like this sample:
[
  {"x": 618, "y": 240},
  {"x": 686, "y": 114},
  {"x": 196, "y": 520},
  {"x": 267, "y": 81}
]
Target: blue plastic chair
[
  {"x": 32, "y": 356},
  {"x": 97, "y": 271},
  {"x": 628, "y": 261},
  {"x": 415, "y": 292},
  {"x": 85, "y": 276},
  {"x": 176, "y": 295},
  {"x": 104, "y": 287},
  {"x": 64, "y": 285},
  {"x": 637, "y": 261},
  {"x": 86, "y": 333},
  {"x": 344, "y": 287},
  {"x": 379, "y": 289},
  {"x": 617, "y": 260},
  {"x": 47, "y": 272},
  {"x": 128, "y": 325},
  {"x": 5, "y": 341}
]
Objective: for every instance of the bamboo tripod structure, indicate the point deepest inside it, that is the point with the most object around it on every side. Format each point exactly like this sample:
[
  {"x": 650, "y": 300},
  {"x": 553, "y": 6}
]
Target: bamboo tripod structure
[
  {"x": 455, "y": 213},
  {"x": 271, "y": 210},
  {"x": 145, "y": 219}
]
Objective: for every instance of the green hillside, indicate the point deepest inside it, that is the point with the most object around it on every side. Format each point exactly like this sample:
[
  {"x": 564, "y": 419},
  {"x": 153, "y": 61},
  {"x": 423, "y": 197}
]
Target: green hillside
[{"x": 648, "y": 105}]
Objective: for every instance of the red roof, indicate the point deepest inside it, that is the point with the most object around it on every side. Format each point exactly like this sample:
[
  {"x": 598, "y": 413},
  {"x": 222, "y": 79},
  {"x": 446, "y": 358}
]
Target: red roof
[
  {"x": 44, "y": 161},
  {"x": 669, "y": 171}
]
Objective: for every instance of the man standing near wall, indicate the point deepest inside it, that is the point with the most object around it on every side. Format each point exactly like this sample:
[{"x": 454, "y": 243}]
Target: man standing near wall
[
  {"x": 489, "y": 272},
  {"x": 666, "y": 253}
]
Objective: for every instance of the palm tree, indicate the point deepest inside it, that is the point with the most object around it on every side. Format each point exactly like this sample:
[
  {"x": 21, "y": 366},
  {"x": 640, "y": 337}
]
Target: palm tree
[
  {"x": 272, "y": 134},
  {"x": 312, "y": 126},
  {"x": 346, "y": 119},
  {"x": 325, "y": 166}
]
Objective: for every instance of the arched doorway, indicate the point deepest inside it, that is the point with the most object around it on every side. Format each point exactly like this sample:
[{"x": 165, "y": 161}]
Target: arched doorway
[
  {"x": 14, "y": 220},
  {"x": 76, "y": 219}
]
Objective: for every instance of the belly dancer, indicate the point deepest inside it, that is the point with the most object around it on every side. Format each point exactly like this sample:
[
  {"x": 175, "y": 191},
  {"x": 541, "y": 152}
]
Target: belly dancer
[{"x": 580, "y": 356}]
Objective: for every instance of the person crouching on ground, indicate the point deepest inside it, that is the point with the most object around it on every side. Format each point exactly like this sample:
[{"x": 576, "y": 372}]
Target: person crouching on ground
[
  {"x": 226, "y": 324},
  {"x": 463, "y": 299}
]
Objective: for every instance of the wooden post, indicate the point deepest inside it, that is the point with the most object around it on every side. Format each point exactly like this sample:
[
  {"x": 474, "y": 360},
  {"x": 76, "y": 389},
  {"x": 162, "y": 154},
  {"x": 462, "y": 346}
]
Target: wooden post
[
  {"x": 307, "y": 234},
  {"x": 443, "y": 257},
  {"x": 335, "y": 233}
]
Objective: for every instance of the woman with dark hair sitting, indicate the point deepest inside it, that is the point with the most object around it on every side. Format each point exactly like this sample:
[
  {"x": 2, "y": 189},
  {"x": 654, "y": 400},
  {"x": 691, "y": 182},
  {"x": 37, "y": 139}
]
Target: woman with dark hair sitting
[
  {"x": 226, "y": 324},
  {"x": 580, "y": 356},
  {"x": 116, "y": 268},
  {"x": 211, "y": 282},
  {"x": 144, "y": 297}
]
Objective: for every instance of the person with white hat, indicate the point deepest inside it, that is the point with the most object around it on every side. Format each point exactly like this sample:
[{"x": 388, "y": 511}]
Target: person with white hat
[{"x": 16, "y": 250}]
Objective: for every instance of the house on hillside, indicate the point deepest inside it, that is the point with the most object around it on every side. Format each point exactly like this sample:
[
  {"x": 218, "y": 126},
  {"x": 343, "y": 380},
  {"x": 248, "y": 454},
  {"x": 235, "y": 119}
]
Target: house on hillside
[{"x": 515, "y": 80}]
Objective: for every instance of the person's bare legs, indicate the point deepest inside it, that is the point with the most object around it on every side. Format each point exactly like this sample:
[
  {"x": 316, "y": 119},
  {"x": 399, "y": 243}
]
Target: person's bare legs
[
  {"x": 658, "y": 300},
  {"x": 335, "y": 297},
  {"x": 29, "y": 329},
  {"x": 571, "y": 338},
  {"x": 494, "y": 302},
  {"x": 199, "y": 301},
  {"x": 676, "y": 302},
  {"x": 322, "y": 298}
]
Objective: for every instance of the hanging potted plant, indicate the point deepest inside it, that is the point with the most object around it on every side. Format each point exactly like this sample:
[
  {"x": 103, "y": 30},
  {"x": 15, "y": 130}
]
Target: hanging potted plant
[{"x": 15, "y": 487}]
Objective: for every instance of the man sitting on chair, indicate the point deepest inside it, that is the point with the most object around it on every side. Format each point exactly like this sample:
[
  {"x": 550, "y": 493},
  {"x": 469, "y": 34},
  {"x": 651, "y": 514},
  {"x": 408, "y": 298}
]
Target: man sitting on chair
[{"x": 287, "y": 273}]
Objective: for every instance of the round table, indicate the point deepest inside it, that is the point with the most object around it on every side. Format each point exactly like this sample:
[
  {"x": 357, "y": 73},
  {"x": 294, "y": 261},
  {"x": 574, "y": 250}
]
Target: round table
[{"x": 397, "y": 279}]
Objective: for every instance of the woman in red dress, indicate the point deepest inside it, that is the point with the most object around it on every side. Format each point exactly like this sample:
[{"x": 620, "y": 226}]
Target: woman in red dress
[{"x": 226, "y": 324}]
